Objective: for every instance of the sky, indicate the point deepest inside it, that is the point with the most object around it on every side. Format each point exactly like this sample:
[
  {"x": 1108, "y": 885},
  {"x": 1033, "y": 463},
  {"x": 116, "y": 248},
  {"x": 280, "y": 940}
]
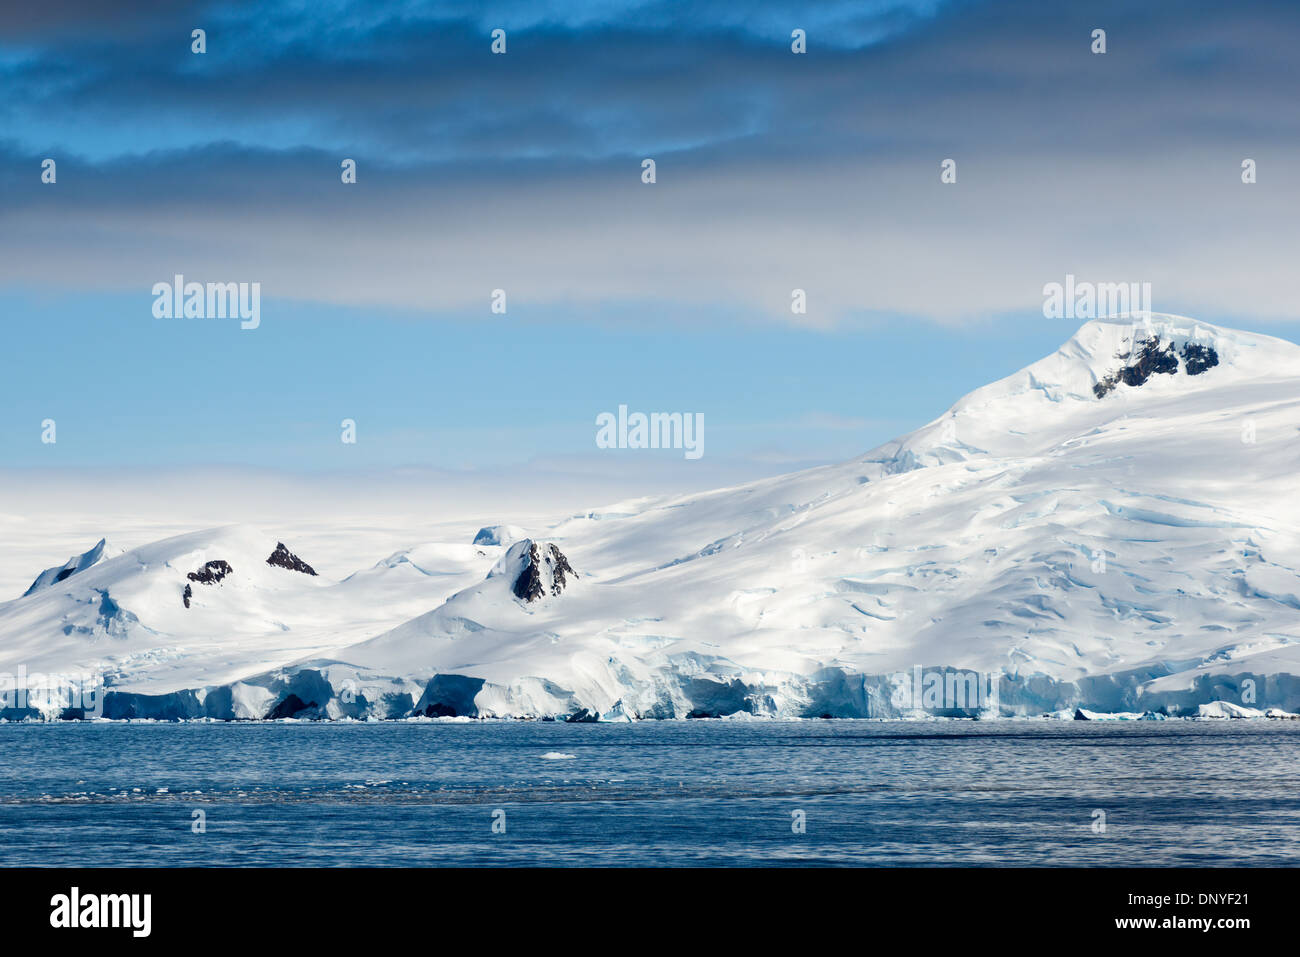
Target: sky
[{"x": 523, "y": 172}]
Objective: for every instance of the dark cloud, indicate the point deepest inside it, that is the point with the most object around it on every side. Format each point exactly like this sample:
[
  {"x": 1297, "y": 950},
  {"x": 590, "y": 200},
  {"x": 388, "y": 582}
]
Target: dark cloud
[
  {"x": 774, "y": 170},
  {"x": 415, "y": 83},
  {"x": 57, "y": 22}
]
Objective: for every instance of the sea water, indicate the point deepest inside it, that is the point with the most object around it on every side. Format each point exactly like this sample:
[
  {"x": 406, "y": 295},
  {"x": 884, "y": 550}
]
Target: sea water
[{"x": 707, "y": 792}]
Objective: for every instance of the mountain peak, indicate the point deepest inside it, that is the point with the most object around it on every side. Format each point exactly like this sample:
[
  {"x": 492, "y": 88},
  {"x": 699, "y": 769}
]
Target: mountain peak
[
  {"x": 1108, "y": 369},
  {"x": 535, "y": 570},
  {"x": 1098, "y": 343},
  {"x": 281, "y": 557},
  {"x": 99, "y": 552}
]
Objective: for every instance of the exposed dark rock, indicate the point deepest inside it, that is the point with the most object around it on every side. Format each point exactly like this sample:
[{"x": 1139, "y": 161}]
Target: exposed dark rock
[
  {"x": 283, "y": 558},
  {"x": 1146, "y": 359},
  {"x": 211, "y": 573},
  {"x": 1080, "y": 716},
  {"x": 1149, "y": 359},
  {"x": 1197, "y": 358},
  {"x": 582, "y": 716},
  {"x": 531, "y": 585},
  {"x": 289, "y": 707}
]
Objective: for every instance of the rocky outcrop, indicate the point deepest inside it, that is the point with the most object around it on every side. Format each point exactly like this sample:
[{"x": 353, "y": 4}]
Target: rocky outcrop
[
  {"x": 1149, "y": 358},
  {"x": 283, "y": 558},
  {"x": 1197, "y": 358},
  {"x": 544, "y": 573},
  {"x": 210, "y": 574}
]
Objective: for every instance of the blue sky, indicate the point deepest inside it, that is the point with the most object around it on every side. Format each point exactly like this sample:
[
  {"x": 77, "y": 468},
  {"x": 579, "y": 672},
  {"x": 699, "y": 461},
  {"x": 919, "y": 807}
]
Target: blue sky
[
  {"x": 522, "y": 172},
  {"x": 463, "y": 392}
]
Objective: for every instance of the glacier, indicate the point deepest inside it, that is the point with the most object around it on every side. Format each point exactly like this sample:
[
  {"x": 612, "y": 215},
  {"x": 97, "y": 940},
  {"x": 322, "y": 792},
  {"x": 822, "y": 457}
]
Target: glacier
[{"x": 1106, "y": 531}]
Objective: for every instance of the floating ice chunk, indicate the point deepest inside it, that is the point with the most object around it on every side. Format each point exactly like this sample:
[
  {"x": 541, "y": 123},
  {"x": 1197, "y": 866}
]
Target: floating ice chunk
[{"x": 1226, "y": 709}]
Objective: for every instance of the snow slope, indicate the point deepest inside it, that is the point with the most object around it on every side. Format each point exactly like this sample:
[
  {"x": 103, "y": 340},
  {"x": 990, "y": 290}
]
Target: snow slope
[
  {"x": 1122, "y": 553},
  {"x": 125, "y": 618}
]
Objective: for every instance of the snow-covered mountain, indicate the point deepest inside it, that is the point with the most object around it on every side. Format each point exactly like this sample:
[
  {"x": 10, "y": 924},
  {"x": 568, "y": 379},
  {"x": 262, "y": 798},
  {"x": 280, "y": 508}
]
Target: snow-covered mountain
[
  {"x": 1113, "y": 527},
  {"x": 99, "y": 552}
]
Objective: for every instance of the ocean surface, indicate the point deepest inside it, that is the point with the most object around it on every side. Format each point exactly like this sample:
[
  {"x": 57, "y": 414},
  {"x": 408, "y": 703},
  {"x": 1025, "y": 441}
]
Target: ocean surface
[{"x": 679, "y": 793}]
